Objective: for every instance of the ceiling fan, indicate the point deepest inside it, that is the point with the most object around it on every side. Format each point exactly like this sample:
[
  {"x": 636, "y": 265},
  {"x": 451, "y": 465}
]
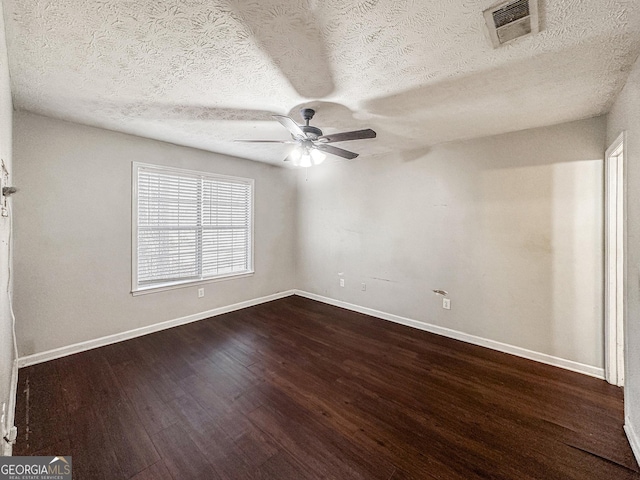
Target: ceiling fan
[{"x": 311, "y": 144}]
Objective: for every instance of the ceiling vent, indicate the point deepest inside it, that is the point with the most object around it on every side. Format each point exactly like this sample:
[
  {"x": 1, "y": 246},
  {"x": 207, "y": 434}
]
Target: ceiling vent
[{"x": 507, "y": 21}]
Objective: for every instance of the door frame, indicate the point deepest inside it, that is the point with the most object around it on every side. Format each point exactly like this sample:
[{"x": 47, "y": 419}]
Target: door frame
[{"x": 615, "y": 265}]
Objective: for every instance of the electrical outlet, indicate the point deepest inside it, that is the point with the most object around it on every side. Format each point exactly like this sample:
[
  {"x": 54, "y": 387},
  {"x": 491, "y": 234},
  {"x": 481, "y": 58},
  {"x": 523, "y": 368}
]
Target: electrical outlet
[
  {"x": 446, "y": 303},
  {"x": 342, "y": 282},
  {"x": 200, "y": 292},
  {"x": 363, "y": 287}
]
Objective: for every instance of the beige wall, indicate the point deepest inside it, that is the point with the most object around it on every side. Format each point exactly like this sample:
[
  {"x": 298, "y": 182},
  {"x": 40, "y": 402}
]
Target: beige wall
[
  {"x": 625, "y": 116},
  {"x": 6, "y": 331},
  {"x": 510, "y": 226},
  {"x": 73, "y": 233}
]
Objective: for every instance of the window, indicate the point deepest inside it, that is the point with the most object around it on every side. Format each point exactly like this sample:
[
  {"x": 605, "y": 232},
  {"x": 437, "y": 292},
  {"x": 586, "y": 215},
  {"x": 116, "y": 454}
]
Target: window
[{"x": 189, "y": 227}]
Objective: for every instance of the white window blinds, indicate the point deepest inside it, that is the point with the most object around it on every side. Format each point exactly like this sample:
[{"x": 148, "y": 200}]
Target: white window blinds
[{"x": 190, "y": 226}]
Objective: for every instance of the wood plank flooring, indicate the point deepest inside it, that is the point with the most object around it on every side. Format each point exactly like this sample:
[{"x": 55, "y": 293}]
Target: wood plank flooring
[{"x": 295, "y": 389}]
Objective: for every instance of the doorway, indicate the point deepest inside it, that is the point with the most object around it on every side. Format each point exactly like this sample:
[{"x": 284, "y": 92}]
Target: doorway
[{"x": 615, "y": 216}]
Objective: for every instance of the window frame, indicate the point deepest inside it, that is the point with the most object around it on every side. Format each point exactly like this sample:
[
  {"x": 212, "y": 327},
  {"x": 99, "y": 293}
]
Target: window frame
[{"x": 137, "y": 289}]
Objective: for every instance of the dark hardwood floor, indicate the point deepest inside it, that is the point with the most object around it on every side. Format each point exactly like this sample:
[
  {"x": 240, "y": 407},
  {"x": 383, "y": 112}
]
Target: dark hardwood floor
[{"x": 295, "y": 389}]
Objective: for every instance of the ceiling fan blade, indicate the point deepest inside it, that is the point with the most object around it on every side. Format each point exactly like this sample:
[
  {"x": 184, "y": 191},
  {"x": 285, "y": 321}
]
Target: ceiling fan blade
[
  {"x": 290, "y": 125},
  {"x": 263, "y": 141},
  {"x": 340, "y": 152},
  {"x": 345, "y": 136}
]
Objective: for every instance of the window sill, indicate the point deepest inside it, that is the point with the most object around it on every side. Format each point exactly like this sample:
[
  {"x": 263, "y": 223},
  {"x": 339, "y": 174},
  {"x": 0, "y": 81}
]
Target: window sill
[{"x": 163, "y": 287}]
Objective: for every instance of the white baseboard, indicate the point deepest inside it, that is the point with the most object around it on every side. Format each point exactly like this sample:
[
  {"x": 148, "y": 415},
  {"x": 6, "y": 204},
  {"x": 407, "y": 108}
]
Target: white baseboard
[
  {"x": 11, "y": 409},
  {"x": 465, "y": 337},
  {"x": 634, "y": 439},
  {"x": 119, "y": 337}
]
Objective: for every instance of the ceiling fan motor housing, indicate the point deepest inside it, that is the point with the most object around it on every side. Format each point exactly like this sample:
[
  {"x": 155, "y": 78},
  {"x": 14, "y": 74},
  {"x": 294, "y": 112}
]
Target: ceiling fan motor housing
[{"x": 311, "y": 132}]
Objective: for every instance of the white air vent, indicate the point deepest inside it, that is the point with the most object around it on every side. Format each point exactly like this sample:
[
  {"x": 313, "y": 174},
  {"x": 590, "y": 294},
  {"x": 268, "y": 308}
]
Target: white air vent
[{"x": 507, "y": 21}]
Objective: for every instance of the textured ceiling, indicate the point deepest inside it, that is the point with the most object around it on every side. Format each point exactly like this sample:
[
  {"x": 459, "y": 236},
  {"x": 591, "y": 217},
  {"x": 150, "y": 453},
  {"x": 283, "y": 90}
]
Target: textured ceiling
[{"x": 203, "y": 73}]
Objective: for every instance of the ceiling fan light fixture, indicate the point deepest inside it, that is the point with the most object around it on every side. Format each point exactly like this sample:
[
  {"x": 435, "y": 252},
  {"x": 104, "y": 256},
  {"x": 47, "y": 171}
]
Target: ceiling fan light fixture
[
  {"x": 306, "y": 157},
  {"x": 295, "y": 156},
  {"x": 305, "y": 160},
  {"x": 317, "y": 157}
]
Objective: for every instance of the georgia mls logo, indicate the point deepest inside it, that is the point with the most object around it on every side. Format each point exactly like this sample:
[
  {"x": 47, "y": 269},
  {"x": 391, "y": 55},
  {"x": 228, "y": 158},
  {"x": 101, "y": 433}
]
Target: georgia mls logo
[{"x": 35, "y": 468}]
